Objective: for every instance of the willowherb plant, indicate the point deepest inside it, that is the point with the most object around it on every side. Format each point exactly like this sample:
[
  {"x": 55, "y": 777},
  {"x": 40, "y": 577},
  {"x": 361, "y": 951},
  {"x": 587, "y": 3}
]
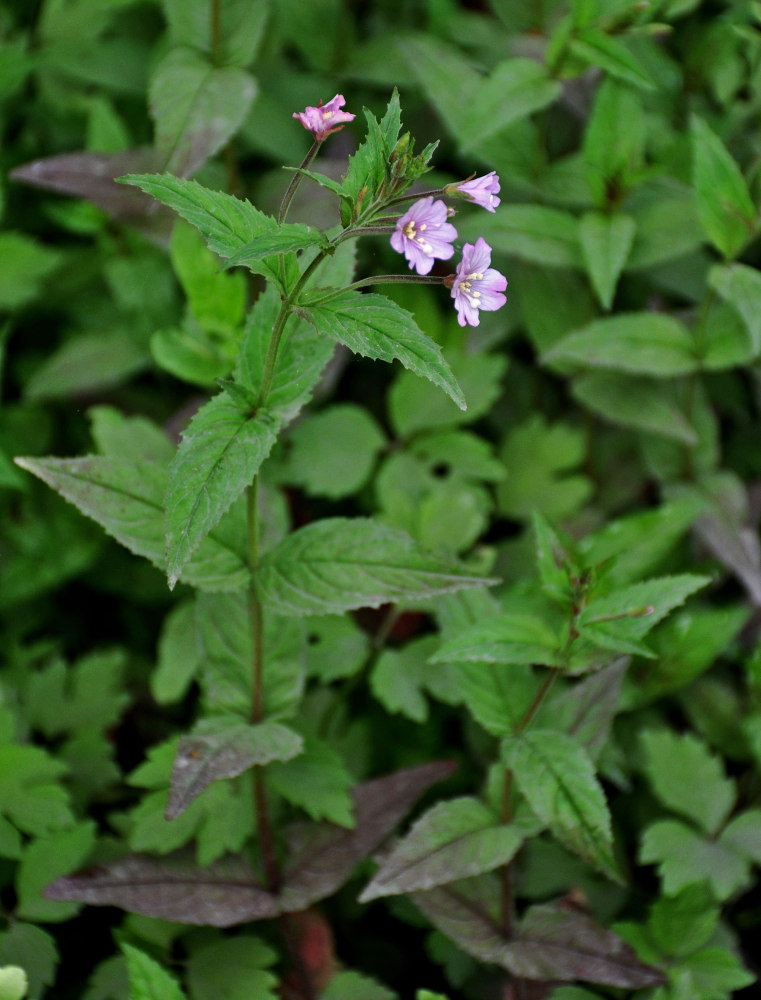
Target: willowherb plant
[{"x": 206, "y": 517}]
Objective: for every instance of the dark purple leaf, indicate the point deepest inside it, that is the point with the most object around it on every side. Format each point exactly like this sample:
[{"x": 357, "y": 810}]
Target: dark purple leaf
[
  {"x": 223, "y": 748},
  {"x": 323, "y": 857},
  {"x": 91, "y": 176},
  {"x": 174, "y": 888},
  {"x": 554, "y": 943},
  {"x": 591, "y": 705}
]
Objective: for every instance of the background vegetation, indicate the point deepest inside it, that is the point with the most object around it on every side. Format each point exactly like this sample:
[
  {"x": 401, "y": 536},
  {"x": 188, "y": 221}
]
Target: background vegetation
[{"x": 609, "y": 452}]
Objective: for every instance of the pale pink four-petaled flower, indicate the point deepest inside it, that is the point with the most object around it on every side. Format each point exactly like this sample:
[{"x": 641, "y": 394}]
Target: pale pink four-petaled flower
[
  {"x": 477, "y": 285},
  {"x": 481, "y": 190},
  {"x": 423, "y": 234},
  {"x": 325, "y": 118}
]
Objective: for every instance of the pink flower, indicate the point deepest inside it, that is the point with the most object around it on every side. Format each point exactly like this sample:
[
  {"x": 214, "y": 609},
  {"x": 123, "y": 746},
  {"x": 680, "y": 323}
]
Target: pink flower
[
  {"x": 423, "y": 234},
  {"x": 482, "y": 190},
  {"x": 476, "y": 284},
  {"x": 325, "y": 119}
]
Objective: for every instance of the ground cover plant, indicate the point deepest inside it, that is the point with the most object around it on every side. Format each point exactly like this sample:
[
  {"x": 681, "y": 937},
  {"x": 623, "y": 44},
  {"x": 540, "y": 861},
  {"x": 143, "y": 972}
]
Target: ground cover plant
[{"x": 379, "y": 566}]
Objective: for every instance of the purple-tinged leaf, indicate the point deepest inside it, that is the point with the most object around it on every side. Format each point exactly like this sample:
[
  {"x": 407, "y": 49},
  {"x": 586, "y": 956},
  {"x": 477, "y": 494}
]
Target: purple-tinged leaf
[
  {"x": 590, "y": 706},
  {"x": 223, "y": 748},
  {"x": 553, "y": 943},
  {"x": 451, "y": 841},
  {"x": 91, "y": 176},
  {"x": 558, "y": 943},
  {"x": 175, "y": 888},
  {"x": 324, "y": 856}
]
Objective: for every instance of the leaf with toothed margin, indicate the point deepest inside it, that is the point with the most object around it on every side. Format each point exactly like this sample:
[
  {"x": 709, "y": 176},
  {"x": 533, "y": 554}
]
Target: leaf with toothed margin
[
  {"x": 127, "y": 500},
  {"x": 222, "y": 748},
  {"x": 375, "y": 327},
  {"x": 339, "y": 564},
  {"x": 220, "y": 453}
]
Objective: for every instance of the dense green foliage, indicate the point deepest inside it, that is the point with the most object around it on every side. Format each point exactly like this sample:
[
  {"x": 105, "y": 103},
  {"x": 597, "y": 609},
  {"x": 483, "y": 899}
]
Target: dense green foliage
[{"x": 350, "y": 652}]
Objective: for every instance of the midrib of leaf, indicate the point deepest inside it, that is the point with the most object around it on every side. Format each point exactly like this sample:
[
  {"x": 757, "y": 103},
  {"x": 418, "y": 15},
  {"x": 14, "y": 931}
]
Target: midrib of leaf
[{"x": 181, "y": 130}]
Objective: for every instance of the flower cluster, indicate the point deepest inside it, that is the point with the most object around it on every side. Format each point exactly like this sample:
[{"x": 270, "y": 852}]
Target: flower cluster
[{"x": 423, "y": 233}]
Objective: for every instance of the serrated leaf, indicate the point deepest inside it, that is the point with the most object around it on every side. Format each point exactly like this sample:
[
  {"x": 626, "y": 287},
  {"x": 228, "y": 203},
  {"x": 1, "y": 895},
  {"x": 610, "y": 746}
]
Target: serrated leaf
[
  {"x": 126, "y": 499},
  {"x": 220, "y": 895},
  {"x": 726, "y": 210},
  {"x": 197, "y": 107},
  {"x": 641, "y": 343},
  {"x": 31, "y": 793},
  {"x": 147, "y": 979},
  {"x": 324, "y": 856},
  {"x": 685, "y": 857},
  {"x": 220, "y": 453},
  {"x": 497, "y": 695},
  {"x": 317, "y": 781},
  {"x": 452, "y": 840},
  {"x": 223, "y": 748},
  {"x": 558, "y": 780},
  {"x": 399, "y": 675},
  {"x": 510, "y": 638},
  {"x": 677, "y": 764},
  {"x": 605, "y": 243},
  {"x": 45, "y": 859},
  {"x": 375, "y": 327},
  {"x": 287, "y": 238},
  {"x": 338, "y": 564}
]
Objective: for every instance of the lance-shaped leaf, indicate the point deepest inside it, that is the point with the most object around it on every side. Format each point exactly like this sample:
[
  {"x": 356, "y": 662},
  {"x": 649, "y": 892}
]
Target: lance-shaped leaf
[
  {"x": 226, "y": 223},
  {"x": 378, "y": 328},
  {"x": 174, "y": 888},
  {"x": 221, "y": 748},
  {"x": 560, "y": 943},
  {"x": 339, "y": 564},
  {"x": 324, "y": 856},
  {"x": 453, "y": 840},
  {"x": 126, "y": 499},
  {"x": 740, "y": 285},
  {"x": 219, "y": 455},
  {"x": 605, "y": 244},
  {"x": 642, "y": 343},
  {"x": 558, "y": 779},
  {"x": 511, "y": 638},
  {"x": 588, "y": 708},
  {"x": 197, "y": 107},
  {"x": 725, "y": 207},
  {"x": 550, "y": 943},
  {"x": 148, "y": 980},
  {"x": 286, "y": 238}
]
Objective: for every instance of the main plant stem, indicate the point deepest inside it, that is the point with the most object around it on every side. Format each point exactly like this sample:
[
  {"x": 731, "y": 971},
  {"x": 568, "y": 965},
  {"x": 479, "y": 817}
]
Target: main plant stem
[{"x": 506, "y": 896}]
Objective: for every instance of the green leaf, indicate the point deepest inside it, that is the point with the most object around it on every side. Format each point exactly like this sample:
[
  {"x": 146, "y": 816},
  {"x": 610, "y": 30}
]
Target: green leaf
[
  {"x": 25, "y": 264},
  {"x": 319, "y": 446},
  {"x": 609, "y": 54},
  {"x": 414, "y": 406},
  {"x": 497, "y": 696},
  {"x": 635, "y": 401},
  {"x": 216, "y": 300},
  {"x": 219, "y": 455},
  {"x": 514, "y": 637},
  {"x": 514, "y": 89},
  {"x": 546, "y": 236},
  {"x": 224, "y": 747},
  {"x": 126, "y": 499},
  {"x": 642, "y": 343},
  {"x": 178, "y": 659},
  {"x": 317, "y": 781},
  {"x": 288, "y": 237},
  {"x": 452, "y": 840},
  {"x": 725, "y": 207},
  {"x": 539, "y": 458},
  {"x": 235, "y": 968},
  {"x": 239, "y": 27},
  {"x": 88, "y": 363},
  {"x": 119, "y": 436},
  {"x": 677, "y": 764},
  {"x": 740, "y": 286},
  {"x": 31, "y": 793},
  {"x": 61, "y": 699},
  {"x": 712, "y": 973},
  {"x": 681, "y": 924},
  {"x": 338, "y": 564},
  {"x": 399, "y": 676},
  {"x": 668, "y": 226},
  {"x": 225, "y": 222},
  {"x": 685, "y": 857},
  {"x": 350, "y": 985},
  {"x": 558, "y": 780},
  {"x": 197, "y": 107},
  {"x": 34, "y": 950},
  {"x": 302, "y": 355},
  {"x": 46, "y": 859},
  {"x": 336, "y": 647},
  {"x": 605, "y": 244},
  {"x": 376, "y": 327},
  {"x": 147, "y": 979},
  {"x": 614, "y": 141}
]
